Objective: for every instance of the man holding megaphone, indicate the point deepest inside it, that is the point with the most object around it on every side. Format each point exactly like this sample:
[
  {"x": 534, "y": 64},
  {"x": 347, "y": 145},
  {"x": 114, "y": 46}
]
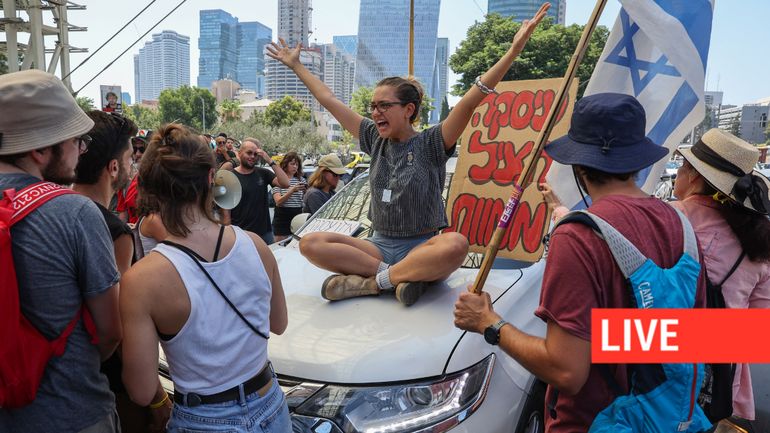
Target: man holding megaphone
[{"x": 252, "y": 213}]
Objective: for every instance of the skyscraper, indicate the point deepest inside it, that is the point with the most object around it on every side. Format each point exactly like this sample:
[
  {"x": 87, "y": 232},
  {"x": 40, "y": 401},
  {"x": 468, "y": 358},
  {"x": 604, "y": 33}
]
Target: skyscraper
[
  {"x": 347, "y": 43},
  {"x": 218, "y": 44},
  {"x": 163, "y": 63},
  {"x": 231, "y": 50},
  {"x": 339, "y": 71},
  {"x": 294, "y": 21},
  {"x": 383, "y": 41},
  {"x": 293, "y": 27},
  {"x": 440, "y": 77},
  {"x": 252, "y": 39},
  {"x": 525, "y": 9}
]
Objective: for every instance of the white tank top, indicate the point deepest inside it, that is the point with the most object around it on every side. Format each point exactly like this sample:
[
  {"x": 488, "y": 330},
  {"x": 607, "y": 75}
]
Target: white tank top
[
  {"x": 148, "y": 243},
  {"x": 215, "y": 350}
]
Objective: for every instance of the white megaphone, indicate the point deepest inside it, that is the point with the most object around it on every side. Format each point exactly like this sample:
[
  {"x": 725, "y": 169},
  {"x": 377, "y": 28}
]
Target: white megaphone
[{"x": 227, "y": 189}]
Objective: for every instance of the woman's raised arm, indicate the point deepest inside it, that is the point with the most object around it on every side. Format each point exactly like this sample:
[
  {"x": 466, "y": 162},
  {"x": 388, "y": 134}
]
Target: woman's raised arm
[
  {"x": 349, "y": 119},
  {"x": 458, "y": 118}
]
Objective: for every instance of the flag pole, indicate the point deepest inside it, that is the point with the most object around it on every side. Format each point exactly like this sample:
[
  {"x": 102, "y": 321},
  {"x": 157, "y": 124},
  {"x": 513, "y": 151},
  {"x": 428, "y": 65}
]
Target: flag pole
[
  {"x": 411, "y": 38},
  {"x": 524, "y": 179}
]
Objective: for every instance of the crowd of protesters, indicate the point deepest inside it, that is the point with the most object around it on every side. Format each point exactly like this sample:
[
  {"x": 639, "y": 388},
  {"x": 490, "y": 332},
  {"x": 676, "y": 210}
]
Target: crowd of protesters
[{"x": 140, "y": 257}]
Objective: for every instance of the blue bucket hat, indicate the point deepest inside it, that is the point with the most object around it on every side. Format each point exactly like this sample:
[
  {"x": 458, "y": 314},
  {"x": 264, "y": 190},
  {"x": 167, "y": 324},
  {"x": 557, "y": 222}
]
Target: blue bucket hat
[{"x": 607, "y": 133}]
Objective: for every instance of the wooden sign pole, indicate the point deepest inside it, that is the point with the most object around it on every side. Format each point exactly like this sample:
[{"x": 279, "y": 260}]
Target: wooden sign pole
[{"x": 529, "y": 168}]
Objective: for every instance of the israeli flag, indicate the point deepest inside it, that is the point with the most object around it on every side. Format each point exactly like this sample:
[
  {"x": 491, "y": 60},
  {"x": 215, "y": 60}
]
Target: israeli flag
[{"x": 657, "y": 52}]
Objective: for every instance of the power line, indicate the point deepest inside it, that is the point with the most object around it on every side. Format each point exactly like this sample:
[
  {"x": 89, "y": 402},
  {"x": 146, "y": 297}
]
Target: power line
[
  {"x": 111, "y": 38},
  {"x": 132, "y": 45}
]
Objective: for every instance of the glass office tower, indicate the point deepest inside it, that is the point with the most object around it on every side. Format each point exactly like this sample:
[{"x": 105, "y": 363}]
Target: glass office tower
[{"x": 383, "y": 41}]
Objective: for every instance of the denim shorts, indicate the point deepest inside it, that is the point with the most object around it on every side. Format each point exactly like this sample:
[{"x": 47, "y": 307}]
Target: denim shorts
[
  {"x": 250, "y": 413},
  {"x": 394, "y": 250}
]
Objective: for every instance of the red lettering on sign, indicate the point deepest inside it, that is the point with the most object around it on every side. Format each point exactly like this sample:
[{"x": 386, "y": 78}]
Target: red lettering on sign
[
  {"x": 519, "y": 111},
  {"x": 504, "y": 164},
  {"x": 476, "y": 218}
]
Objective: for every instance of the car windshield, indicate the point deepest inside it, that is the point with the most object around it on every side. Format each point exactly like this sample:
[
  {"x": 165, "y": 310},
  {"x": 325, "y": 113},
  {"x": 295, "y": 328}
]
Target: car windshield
[{"x": 352, "y": 204}]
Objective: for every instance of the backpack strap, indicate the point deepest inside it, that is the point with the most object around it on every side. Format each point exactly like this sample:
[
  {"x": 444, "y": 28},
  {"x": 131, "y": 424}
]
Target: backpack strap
[
  {"x": 26, "y": 200},
  {"x": 626, "y": 255}
]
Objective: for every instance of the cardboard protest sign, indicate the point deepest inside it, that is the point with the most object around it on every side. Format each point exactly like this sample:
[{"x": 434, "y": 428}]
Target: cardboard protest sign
[{"x": 494, "y": 148}]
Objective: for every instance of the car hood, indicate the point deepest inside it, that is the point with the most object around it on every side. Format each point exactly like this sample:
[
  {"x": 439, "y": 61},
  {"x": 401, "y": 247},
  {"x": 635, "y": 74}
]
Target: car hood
[{"x": 368, "y": 339}]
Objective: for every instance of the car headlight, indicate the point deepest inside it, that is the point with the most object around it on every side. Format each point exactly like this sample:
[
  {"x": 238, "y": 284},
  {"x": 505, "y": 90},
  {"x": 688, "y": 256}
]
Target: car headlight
[{"x": 403, "y": 407}]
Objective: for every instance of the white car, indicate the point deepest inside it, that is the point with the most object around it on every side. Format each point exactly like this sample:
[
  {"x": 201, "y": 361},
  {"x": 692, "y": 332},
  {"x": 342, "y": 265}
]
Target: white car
[{"x": 373, "y": 365}]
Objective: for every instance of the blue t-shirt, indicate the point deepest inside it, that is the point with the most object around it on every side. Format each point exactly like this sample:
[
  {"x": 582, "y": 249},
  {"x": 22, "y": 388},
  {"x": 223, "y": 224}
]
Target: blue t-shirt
[{"x": 63, "y": 254}]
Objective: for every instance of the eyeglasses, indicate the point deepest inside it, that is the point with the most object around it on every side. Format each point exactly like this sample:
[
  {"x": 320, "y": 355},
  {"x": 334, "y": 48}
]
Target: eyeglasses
[
  {"x": 83, "y": 142},
  {"x": 383, "y": 106},
  {"x": 139, "y": 149}
]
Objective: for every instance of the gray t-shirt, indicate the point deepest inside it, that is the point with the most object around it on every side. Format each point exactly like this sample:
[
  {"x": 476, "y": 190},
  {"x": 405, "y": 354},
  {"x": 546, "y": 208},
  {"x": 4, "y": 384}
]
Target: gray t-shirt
[
  {"x": 62, "y": 253},
  {"x": 406, "y": 181}
]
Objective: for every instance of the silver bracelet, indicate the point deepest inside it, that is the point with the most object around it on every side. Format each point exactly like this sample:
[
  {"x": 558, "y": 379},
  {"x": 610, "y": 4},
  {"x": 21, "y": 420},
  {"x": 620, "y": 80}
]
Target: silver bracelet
[{"x": 484, "y": 89}]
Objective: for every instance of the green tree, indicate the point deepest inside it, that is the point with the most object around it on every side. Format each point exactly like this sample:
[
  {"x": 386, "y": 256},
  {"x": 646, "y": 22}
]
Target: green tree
[
  {"x": 300, "y": 136},
  {"x": 444, "y": 109},
  {"x": 425, "y": 108},
  {"x": 546, "y": 55},
  {"x": 360, "y": 101},
  {"x": 144, "y": 117},
  {"x": 362, "y": 98},
  {"x": 184, "y": 105},
  {"x": 735, "y": 126},
  {"x": 85, "y": 103},
  {"x": 286, "y": 112},
  {"x": 767, "y": 133},
  {"x": 230, "y": 109},
  {"x": 4, "y": 62}
]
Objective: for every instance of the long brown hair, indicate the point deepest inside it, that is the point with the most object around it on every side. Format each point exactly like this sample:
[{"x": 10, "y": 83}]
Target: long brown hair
[
  {"x": 174, "y": 174},
  {"x": 289, "y": 157},
  {"x": 752, "y": 229},
  {"x": 317, "y": 179}
]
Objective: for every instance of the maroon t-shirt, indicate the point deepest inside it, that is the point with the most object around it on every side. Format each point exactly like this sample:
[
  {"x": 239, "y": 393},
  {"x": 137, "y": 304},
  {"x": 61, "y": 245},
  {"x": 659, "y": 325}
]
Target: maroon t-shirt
[{"x": 581, "y": 274}]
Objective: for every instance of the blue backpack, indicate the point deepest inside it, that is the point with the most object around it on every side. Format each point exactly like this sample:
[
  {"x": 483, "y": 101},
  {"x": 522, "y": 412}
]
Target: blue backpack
[{"x": 662, "y": 397}]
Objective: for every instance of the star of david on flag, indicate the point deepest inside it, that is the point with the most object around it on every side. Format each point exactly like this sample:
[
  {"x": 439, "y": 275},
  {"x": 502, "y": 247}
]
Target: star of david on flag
[{"x": 657, "y": 52}]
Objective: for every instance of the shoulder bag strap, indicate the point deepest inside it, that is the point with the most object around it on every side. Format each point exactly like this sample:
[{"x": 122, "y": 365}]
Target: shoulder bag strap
[
  {"x": 732, "y": 270},
  {"x": 190, "y": 253}
]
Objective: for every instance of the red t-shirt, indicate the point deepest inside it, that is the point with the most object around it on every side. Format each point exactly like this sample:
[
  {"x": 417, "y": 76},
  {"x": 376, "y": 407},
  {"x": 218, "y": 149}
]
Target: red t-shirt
[
  {"x": 581, "y": 274},
  {"x": 127, "y": 201}
]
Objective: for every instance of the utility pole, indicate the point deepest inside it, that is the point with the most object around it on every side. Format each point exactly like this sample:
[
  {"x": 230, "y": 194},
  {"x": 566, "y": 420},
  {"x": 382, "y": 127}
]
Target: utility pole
[
  {"x": 29, "y": 18},
  {"x": 203, "y": 110},
  {"x": 411, "y": 38}
]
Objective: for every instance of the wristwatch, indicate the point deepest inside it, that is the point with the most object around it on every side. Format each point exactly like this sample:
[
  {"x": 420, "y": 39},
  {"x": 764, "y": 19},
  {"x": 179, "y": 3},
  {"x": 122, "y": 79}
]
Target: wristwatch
[
  {"x": 492, "y": 333},
  {"x": 271, "y": 163}
]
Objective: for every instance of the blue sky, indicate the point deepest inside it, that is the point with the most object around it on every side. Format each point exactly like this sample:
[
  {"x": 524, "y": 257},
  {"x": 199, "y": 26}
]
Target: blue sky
[{"x": 738, "y": 60}]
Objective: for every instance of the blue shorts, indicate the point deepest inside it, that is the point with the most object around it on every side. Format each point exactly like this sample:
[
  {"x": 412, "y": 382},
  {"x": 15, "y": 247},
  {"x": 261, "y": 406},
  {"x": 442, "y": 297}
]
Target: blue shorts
[
  {"x": 249, "y": 414},
  {"x": 393, "y": 250}
]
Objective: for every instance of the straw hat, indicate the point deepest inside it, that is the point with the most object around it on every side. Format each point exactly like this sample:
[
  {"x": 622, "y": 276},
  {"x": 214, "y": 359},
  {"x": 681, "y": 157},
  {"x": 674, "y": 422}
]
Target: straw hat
[
  {"x": 37, "y": 111},
  {"x": 727, "y": 163}
]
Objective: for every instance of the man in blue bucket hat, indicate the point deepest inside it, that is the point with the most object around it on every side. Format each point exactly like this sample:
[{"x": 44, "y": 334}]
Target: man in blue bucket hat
[{"x": 606, "y": 147}]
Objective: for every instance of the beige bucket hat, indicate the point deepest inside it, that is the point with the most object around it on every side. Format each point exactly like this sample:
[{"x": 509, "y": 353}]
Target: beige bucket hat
[
  {"x": 37, "y": 111},
  {"x": 727, "y": 163}
]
